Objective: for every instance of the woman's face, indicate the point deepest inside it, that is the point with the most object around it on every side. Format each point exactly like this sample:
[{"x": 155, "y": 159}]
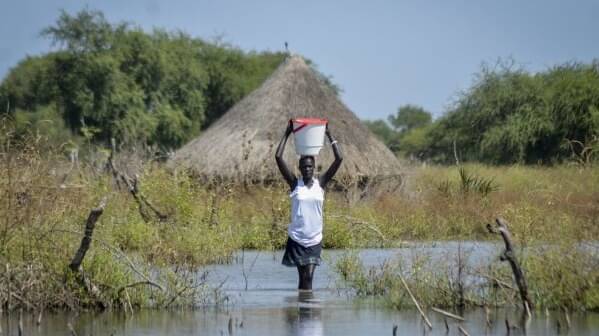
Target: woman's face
[{"x": 306, "y": 166}]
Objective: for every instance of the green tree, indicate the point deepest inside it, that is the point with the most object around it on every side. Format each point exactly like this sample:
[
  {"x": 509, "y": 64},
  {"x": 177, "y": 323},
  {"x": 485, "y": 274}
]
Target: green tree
[
  {"x": 409, "y": 117},
  {"x": 87, "y": 31},
  {"x": 383, "y": 131},
  {"x": 117, "y": 81},
  {"x": 511, "y": 116}
]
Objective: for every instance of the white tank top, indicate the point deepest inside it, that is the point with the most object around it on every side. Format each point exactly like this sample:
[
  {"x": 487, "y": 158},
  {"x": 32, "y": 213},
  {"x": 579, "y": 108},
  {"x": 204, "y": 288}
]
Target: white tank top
[{"x": 306, "y": 213}]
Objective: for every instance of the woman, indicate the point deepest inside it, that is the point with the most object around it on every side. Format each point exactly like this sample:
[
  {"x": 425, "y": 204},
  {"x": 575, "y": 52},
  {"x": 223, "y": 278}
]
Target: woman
[{"x": 304, "y": 241}]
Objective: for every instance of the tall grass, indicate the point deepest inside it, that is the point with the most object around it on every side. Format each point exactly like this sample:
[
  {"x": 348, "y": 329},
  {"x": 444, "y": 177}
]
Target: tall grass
[
  {"x": 564, "y": 276},
  {"x": 46, "y": 198}
]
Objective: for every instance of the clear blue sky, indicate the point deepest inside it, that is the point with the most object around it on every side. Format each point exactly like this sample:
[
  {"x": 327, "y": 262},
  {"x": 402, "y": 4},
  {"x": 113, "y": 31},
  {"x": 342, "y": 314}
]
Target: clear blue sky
[{"x": 383, "y": 54}]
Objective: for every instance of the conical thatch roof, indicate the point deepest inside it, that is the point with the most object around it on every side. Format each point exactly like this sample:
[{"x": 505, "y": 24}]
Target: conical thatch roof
[{"x": 242, "y": 143}]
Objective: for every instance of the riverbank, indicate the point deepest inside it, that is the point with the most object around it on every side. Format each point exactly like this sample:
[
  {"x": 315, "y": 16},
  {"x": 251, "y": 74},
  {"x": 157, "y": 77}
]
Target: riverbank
[
  {"x": 262, "y": 299},
  {"x": 154, "y": 219}
]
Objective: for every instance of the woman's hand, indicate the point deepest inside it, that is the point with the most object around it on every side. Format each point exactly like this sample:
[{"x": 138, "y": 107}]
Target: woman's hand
[
  {"x": 328, "y": 133},
  {"x": 289, "y": 129}
]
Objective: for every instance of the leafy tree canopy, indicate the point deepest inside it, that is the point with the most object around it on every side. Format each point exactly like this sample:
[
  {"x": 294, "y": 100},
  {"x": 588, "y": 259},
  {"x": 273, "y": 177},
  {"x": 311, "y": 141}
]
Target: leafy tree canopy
[
  {"x": 409, "y": 117},
  {"x": 118, "y": 81},
  {"x": 512, "y": 116}
]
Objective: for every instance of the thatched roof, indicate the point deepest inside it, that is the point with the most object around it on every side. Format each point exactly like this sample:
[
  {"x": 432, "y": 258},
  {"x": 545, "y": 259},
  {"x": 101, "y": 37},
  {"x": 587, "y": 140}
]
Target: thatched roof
[{"x": 242, "y": 143}]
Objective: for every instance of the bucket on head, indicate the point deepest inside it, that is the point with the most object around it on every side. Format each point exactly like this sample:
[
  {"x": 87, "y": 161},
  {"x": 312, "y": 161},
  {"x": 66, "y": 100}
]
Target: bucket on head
[{"x": 309, "y": 135}]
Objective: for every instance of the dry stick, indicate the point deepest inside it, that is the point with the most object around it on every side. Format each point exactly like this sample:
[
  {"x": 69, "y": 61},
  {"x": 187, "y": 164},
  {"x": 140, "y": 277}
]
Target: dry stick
[
  {"x": 129, "y": 301},
  {"x": 132, "y": 185},
  {"x": 428, "y": 323},
  {"x": 446, "y": 325},
  {"x": 463, "y": 331},
  {"x": 110, "y": 164},
  {"x": 174, "y": 297},
  {"x": 455, "y": 153},
  {"x": 567, "y": 317},
  {"x": 22, "y": 300},
  {"x": 448, "y": 314},
  {"x": 487, "y": 316},
  {"x": 20, "y": 326},
  {"x": 115, "y": 251},
  {"x": 150, "y": 283},
  {"x": 87, "y": 238},
  {"x": 510, "y": 256},
  {"x": 492, "y": 278},
  {"x": 75, "y": 264},
  {"x": 71, "y": 330},
  {"x": 8, "y": 287}
]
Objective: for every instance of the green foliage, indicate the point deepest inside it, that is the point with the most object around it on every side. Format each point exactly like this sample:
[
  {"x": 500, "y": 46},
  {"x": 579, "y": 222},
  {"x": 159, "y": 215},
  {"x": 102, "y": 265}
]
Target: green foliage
[
  {"x": 413, "y": 141},
  {"x": 470, "y": 182},
  {"x": 572, "y": 279},
  {"x": 87, "y": 31},
  {"x": 47, "y": 200},
  {"x": 383, "y": 131},
  {"x": 409, "y": 117},
  {"x": 409, "y": 131},
  {"x": 432, "y": 282},
  {"x": 232, "y": 75},
  {"x": 512, "y": 116},
  {"x": 117, "y": 81},
  {"x": 455, "y": 280},
  {"x": 371, "y": 282},
  {"x": 28, "y": 85}
]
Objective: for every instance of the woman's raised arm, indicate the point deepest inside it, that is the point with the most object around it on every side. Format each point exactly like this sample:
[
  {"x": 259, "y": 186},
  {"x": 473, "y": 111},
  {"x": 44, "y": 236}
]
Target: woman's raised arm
[
  {"x": 328, "y": 175},
  {"x": 287, "y": 174}
]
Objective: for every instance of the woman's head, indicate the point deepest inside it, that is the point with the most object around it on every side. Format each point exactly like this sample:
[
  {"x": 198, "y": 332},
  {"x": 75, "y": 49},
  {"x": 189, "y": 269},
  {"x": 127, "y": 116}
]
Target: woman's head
[{"x": 306, "y": 166}]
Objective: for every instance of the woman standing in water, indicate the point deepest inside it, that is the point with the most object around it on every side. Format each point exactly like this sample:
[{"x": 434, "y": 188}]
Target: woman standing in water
[{"x": 304, "y": 241}]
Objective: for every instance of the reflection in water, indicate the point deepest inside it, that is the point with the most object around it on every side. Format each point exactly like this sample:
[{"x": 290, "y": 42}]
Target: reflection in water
[
  {"x": 305, "y": 318},
  {"x": 273, "y": 306}
]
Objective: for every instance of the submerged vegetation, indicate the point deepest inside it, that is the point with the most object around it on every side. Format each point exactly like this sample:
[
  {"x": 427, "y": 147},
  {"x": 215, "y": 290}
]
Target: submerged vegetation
[{"x": 561, "y": 275}]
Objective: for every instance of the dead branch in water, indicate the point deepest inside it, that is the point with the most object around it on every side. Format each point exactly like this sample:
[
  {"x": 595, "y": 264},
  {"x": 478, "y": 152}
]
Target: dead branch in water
[
  {"x": 510, "y": 256},
  {"x": 448, "y": 314},
  {"x": 87, "y": 238},
  {"x": 139, "y": 283},
  {"x": 428, "y": 323},
  {"x": 463, "y": 331},
  {"x": 142, "y": 202},
  {"x": 75, "y": 265},
  {"x": 132, "y": 186},
  {"x": 120, "y": 255}
]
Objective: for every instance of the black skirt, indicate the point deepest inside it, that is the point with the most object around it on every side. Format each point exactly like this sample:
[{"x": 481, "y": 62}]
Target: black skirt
[{"x": 298, "y": 255}]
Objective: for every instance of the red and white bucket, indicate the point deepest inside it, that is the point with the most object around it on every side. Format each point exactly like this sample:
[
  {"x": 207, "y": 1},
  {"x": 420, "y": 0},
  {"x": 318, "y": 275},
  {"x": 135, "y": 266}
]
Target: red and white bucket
[{"x": 309, "y": 135}]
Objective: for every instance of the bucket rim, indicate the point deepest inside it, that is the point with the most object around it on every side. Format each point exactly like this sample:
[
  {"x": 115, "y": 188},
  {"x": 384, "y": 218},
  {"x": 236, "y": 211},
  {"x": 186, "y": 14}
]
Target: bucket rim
[{"x": 313, "y": 121}]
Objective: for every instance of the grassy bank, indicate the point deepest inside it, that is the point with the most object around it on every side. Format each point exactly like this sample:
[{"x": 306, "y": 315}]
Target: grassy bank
[
  {"x": 180, "y": 225},
  {"x": 560, "y": 276}
]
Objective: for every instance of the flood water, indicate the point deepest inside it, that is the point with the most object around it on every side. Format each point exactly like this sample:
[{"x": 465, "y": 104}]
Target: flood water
[{"x": 261, "y": 299}]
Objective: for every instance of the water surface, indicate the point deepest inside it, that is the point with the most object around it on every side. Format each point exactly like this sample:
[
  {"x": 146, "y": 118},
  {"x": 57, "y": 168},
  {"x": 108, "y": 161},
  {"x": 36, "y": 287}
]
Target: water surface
[{"x": 262, "y": 299}]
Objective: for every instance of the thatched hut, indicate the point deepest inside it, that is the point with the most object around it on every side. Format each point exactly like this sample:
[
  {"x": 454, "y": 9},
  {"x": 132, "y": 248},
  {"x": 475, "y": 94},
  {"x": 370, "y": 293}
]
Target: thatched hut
[{"x": 242, "y": 143}]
